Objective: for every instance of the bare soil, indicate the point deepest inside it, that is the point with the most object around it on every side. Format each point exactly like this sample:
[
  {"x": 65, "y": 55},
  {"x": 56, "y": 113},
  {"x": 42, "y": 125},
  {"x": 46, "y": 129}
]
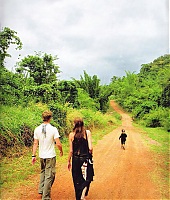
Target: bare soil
[{"x": 119, "y": 174}]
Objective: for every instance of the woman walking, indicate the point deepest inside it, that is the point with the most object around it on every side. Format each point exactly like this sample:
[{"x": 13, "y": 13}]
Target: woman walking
[{"x": 80, "y": 142}]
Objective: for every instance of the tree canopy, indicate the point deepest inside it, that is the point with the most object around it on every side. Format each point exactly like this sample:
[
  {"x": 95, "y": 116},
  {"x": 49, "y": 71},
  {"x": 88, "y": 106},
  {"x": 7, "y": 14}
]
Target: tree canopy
[
  {"x": 8, "y": 37},
  {"x": 40, "y": 67}
]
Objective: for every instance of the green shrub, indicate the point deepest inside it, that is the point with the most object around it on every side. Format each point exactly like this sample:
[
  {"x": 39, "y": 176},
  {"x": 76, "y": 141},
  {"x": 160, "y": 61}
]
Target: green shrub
[
  {"x": 92, "y": 119},
  {"x": 71, "y": 115},
  {"x": 59, "y": 117},
  {"x": 143, "y": 109},
  {"x": 17, "y": 124},
  {"x": 158, "y": 118},
  {"x": 85, "y": 101}
]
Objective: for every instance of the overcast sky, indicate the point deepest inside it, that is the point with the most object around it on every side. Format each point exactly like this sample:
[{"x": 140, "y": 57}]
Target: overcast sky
[{"x": 102, "y": 37}]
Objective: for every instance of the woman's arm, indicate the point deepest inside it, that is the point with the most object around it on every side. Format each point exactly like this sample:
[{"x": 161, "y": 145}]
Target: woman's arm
[
  {"x": 70, "y": 150},
  {"x": 89, "y": 137}
]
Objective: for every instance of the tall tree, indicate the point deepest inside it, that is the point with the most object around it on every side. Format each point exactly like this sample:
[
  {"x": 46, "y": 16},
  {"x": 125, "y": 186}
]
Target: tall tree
[
  {"x": 69, "y": 92},
  {"x": 90, "y": 84},
  {"x": 40, "y": 67},
  {"x": 8, "y": 37}
]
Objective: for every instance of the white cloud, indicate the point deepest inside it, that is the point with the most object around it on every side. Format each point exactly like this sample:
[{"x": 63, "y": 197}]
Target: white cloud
[{"x": 104, "y": 37}]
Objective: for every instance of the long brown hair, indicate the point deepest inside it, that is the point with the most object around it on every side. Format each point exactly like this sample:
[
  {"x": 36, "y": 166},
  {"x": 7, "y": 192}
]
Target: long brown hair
[{"x": 79, "y": 129}]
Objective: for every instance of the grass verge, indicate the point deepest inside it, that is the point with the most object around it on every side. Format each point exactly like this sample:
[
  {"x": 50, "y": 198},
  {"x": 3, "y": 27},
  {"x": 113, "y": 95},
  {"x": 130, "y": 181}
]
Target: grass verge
[{"x": 158, "y": 141}]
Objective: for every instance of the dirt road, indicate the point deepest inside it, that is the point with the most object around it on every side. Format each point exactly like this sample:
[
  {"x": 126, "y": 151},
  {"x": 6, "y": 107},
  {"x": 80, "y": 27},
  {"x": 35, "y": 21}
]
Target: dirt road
[{"x": 119, "y": 174}]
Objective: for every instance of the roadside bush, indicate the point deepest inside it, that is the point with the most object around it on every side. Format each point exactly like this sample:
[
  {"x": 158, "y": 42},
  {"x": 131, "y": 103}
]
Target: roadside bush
[
  {"x": 166, "y": 122},
  {"x": 17, "y": 124},
  {"x": 130, "y": 103},
  {"x": 85, "y": 101},
  {"x": 92, "y": 119},
  {"x": 95, "y": 119},
  {"x": 59, "y": 117},
  {"x": 143, "y": 109},
  {"x": 71, "y": 115},
  {"x": 11, "y": 87},
  {"x": 157, "y": 118}
]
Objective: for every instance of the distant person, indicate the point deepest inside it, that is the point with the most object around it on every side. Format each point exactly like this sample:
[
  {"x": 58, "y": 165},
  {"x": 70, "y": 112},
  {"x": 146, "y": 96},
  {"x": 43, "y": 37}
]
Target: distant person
[
  {"x": 123, "y": 137},
  {"x": 80, "y": 142},
  {"x": 46, "y": 136}
]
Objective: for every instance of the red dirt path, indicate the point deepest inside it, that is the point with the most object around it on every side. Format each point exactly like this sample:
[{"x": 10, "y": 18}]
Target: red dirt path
[{"x": 119, "y": 174}]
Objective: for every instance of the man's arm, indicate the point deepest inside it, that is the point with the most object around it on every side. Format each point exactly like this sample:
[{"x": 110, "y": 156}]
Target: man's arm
[
  {"x": 59, "y": 146},
  {"x": 35, "y": 145}
]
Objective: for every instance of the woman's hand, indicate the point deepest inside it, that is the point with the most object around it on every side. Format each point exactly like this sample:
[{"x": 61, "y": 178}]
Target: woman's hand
[
  {"x": 61, "y": 153},
  {"x": 33, "y": 160},
  {"x": 91, "y": 151},
  {"x": 69, "y": 166}
]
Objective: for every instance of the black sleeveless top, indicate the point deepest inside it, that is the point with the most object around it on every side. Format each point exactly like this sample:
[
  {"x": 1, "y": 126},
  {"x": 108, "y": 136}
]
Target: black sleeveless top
[{"x": 80, "y": 147}]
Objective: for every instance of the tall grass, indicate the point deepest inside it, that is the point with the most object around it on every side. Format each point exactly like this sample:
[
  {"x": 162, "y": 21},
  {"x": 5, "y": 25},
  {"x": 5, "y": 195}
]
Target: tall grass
[
  {"x": 92, "y": 119},
  {"x": 13, "y": 118}
]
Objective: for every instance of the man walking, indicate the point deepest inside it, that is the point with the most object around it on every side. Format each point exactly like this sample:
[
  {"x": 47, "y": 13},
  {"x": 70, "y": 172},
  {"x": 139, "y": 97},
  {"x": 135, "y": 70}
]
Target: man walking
[{"x": 46, "y": 136}]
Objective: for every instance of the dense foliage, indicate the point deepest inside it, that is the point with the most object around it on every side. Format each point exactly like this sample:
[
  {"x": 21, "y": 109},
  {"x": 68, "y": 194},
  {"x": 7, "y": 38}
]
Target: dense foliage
[
  {"x": 146, "y": 94},
  {"x": 41, "y": 68},
  {"x": 36, "y": 81},
  {"x": 8, "y": 37}
]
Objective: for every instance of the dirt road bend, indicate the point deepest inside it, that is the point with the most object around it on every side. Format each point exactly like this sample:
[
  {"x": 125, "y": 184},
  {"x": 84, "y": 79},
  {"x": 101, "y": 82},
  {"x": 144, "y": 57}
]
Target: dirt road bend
[{"x": 119, "y": 174}]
